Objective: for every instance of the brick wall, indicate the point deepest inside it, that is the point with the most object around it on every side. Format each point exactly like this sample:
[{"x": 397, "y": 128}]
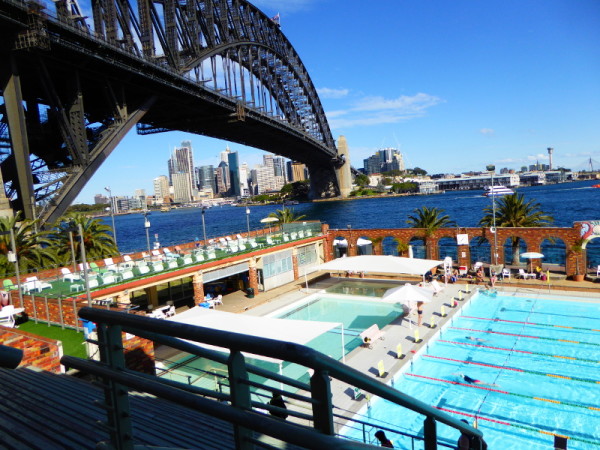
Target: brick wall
[
  {"x": 533, "y": 238},
  {"x": 39, "y": 352}
]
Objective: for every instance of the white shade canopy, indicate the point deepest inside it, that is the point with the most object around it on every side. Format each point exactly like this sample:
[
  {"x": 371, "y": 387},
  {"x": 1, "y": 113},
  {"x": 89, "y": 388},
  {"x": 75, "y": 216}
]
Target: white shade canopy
[
  {"x": 340, "y": 242},
  {"x": 361, "y": 242},
  {"x": 531, "y": 255},
  {"x": 297, "y": 331},
  {"x": 269, "y": 219},
  {"x": 381, "y": 264},
  {"x": 408, "y": 293}
]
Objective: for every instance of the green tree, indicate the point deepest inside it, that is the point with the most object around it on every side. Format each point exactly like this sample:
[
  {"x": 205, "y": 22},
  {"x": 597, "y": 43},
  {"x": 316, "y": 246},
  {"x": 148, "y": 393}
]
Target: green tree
[
  {"x": 430, "y": 220},
  {"x": 419, "y": 171},
  {"x": 361, "y": 180},
  {"x": 33, "y": 247},
  {"x": 286, "y": 215},
  {"x": 98, "y": 239},
  {"x": 514, "y": 211}
]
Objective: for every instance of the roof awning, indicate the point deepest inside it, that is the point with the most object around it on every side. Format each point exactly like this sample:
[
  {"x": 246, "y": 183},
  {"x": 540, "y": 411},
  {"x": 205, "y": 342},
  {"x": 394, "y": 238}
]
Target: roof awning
[
  {"x": 381, "y": 264},
  {"x": 296, "y": 331}
]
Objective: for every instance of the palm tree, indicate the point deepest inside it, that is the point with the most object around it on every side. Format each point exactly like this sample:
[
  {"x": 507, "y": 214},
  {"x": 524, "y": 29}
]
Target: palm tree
[
  {"x": 513, "y": 211},
  {"x": 286, "y": 215},
  {"x": 430, "y": 220},
  {"x": 97, "y": 238},
  {"x": 33, "y": 247}
]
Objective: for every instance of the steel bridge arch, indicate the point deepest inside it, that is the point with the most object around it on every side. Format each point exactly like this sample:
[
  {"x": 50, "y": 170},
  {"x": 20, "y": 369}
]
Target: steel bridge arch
[{"x": 182, "y": 40}]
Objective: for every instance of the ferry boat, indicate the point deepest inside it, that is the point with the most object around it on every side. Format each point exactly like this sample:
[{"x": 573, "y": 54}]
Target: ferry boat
[{"x": 497, "y": 190}]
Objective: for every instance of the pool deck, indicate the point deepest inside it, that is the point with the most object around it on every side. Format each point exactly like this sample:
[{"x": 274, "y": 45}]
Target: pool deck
[{"x": 400, "y": 332}]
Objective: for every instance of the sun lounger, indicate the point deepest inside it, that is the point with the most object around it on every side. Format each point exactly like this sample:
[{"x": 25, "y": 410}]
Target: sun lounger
[{"x": 371, "y": 334}]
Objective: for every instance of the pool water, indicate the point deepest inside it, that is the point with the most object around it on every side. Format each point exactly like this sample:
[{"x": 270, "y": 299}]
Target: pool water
[
  {"x": 364, "y": 288},
  {"x": 356, "y": 315},
  {"x": 543, "y": 355}
]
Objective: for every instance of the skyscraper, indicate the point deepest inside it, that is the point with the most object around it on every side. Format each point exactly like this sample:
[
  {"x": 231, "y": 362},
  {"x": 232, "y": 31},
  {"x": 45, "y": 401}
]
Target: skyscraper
[
  {"x": 161, "y": 188},
  {"x": 182, "y": 161},
  {"x": 206, "y": 178},
  {"x": 234, "y": 174}
]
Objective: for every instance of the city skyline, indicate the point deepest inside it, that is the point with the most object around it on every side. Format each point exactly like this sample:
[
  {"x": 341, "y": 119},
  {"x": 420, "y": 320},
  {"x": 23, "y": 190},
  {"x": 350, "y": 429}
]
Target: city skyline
[{"x": 452, "y": 88}]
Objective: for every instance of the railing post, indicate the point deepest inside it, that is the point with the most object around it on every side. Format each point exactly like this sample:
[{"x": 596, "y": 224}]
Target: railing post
[
  {"x": 115, "y": 394},
  {"x": 430, "y": 433},
  {"x": 240, "y": 396},
  {"x": 320, "y": 391}
]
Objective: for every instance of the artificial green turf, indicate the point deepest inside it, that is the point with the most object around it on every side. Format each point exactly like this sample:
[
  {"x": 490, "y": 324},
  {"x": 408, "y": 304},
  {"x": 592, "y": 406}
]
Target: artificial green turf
[{"x": 73, "y": 341}]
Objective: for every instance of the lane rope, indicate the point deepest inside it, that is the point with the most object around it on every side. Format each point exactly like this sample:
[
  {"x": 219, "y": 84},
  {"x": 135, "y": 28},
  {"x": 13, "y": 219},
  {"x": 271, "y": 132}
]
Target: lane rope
[
  {"x": 523, "y": 427},
  {"x": 514, "y": 394},
  {"x": 568, "y": 341},
  {"x": 516, "y": 369},
  {"x": 572, "y": 358},
  {"x": 495, "y": 319}
]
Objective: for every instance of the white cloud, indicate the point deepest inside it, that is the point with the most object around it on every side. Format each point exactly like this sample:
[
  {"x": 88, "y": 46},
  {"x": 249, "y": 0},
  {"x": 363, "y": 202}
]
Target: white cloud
[
  {"x": 332, "y": 93},
  {"x": 288, "y": 6},
  {"x": 537, "y": 157},
  {"x": 378, "y": 110},
  {"x": 487, "y": 131}
]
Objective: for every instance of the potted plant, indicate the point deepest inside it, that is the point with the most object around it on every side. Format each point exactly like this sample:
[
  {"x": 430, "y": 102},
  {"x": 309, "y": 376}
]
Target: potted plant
[
  {"x": 402, "y": 247},
  {"x": 577, "y": 250}
]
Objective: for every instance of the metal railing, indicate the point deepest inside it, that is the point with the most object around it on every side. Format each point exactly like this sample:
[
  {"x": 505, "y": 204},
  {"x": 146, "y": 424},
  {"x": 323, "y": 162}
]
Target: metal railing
[{"x": 237, "y": 406}]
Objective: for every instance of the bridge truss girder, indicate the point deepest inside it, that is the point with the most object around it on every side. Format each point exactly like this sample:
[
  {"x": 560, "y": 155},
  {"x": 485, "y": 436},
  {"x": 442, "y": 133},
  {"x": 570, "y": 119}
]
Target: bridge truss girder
[{"x": 219, "y": 68}]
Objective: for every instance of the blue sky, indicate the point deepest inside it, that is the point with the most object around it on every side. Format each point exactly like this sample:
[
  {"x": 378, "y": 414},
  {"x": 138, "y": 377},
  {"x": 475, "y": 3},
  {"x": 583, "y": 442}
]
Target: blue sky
[{"x": 455, "y": 85}]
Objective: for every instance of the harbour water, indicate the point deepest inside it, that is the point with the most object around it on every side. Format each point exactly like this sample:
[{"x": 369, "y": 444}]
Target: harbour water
[{"x": 567, "y": 203}]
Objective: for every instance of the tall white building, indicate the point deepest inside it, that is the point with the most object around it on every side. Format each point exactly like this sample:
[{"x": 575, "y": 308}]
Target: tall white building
[
  {"x": 182, "y": 188},
  {"x": 161, "y": 188},
  {"x": 182, "y": 161}
]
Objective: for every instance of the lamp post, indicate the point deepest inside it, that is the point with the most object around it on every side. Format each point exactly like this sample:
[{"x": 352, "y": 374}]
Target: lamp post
[
  {"x": 204, "y": 226},
  {"x": 112, "y": 214},
  {"x": 492, "y": 168},
  {"x": 147, "y": 227},
  {"x": 248, "y": 221},
  {"x": 79, "y": 229},
  {"x": 12, "y": 257}
]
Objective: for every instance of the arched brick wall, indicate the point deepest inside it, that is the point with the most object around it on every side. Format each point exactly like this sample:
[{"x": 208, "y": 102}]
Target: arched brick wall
[{"x": 533, "y": 238}]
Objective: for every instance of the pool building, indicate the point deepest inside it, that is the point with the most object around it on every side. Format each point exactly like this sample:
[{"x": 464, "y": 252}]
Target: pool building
[{"x": 341, "y": 392}]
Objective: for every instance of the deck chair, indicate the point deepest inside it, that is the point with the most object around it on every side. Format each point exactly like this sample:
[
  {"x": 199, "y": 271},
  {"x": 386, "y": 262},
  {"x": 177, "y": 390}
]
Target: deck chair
[
  {"x": 301, "y": 234},
  {"x": 293, "y": 235},
  {"x": 218, "y": 300},
  {"x": 285, "y": 237},
  {"x": 199, "y": 257},
  {"x": 143, "y": 269},
  {"x": 172, "y": 264},
  {"x": 110, "y": 265},
  {"x": 109, "y": 279},
  {"x": 168, "y": 253},
  {"x": 8, "y": 285},
  {"x": 211, "y": 254},
  {"x": 7, "y": 316},
  {"x": 526, "y": 275},
  {"x": 67, "y": 275},
  {"x": 158, "y": 267},
  {"x": 270, "y": 240},
  {"x": 187, "y": 259},
  {"x": 93, "y": 283},
  {"x": 127, "y": 275},
  {"x": 240, "y": 239},
  {"x": 505, "y": 273},
  {"x": 127, "y": 262},
  {"x": 308, "y": 233}
]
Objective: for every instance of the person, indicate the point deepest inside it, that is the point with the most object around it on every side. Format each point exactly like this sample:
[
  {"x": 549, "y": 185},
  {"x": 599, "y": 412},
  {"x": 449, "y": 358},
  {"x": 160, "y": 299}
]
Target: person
[
  {"x": 383, "y": 440},
  {"x": 428, "y": 276},
  {"x": 493, "y": 279},
  {"x": 468, "y": 379},
  {"x": 538, "y": 272},
  {"x": 277, "y": 400},
  {"x": 466, "y": 442},
  {"x": 479, "y": 276},
  {"x": 4, "y": 299},
  {"x": 420, "y": 313},
  {"x": 471, "y": 338}
]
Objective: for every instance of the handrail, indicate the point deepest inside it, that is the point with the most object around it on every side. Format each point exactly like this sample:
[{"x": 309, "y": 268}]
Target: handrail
[{"x": 286, "y": 351}]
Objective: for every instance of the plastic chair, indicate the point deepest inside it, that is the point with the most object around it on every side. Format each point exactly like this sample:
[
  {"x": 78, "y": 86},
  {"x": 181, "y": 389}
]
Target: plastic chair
[{"x": 506, "y": 273}]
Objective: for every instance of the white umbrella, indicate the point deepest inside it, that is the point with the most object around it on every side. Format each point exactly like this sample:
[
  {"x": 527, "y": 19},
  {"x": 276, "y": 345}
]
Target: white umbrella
[
  {"x": 269, "y": 220},
  {"x": 530, "y": 256},
  {"x": 408, "y": 295}
]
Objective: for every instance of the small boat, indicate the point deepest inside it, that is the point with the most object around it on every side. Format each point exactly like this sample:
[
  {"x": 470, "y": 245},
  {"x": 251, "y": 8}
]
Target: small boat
[
  {"x": 596, "y": 185},
  {"x": 497, "y": 190},
  {"x": 290, "y": 202},
  {"x": 165, "y": 208}
]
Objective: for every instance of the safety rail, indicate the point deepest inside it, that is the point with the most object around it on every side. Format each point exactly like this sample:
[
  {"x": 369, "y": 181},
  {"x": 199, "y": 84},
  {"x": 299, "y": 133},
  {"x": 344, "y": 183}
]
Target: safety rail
[{"x": 237, "y": 406}]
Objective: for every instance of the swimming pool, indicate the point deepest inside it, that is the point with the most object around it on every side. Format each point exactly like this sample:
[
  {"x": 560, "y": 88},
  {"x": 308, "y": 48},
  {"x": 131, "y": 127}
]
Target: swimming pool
[
  {"x": 542, "y": 353},
  {"x": 365, "y": 288},
  {"x": 356, "y": 315}
]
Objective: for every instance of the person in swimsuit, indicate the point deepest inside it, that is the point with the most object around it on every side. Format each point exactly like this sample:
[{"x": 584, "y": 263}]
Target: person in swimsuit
[
  {"x": 471, "y": 338},
  {"x": 468, "y": 379},
  {"x": 420, "y": 312}
]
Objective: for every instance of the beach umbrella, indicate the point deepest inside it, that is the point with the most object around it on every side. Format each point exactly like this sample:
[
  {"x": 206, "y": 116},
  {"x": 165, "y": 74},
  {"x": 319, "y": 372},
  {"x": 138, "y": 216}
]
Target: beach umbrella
[
  {"x": 269, "y": 220},
  {"x": 408, "y": 293},
  {"x": 530, "y": 256}
]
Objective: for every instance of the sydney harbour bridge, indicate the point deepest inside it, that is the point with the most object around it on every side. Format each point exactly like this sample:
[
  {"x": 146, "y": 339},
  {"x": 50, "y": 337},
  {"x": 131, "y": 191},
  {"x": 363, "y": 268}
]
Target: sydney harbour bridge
[{"x": 74, "y": 82}]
